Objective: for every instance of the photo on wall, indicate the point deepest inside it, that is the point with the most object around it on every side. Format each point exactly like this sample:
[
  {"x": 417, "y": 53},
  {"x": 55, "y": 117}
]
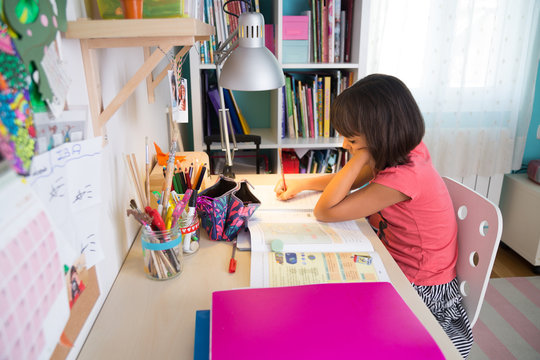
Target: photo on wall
[{"x": 179, "y": 97}]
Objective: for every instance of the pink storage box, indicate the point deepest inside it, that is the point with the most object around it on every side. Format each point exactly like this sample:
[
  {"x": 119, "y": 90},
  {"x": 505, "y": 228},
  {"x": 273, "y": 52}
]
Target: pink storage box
[{"x": 296, "y": 27}]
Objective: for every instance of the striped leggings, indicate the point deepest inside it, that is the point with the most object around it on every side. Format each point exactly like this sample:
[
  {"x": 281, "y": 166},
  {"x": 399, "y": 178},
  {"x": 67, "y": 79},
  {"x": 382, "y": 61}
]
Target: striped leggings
[{"x": 444, "y": 302}]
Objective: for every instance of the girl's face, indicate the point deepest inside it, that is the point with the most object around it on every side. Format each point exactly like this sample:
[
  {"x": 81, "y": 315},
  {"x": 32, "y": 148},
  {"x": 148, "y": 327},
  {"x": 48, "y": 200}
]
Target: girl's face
[{"x": 355, "y": 143}]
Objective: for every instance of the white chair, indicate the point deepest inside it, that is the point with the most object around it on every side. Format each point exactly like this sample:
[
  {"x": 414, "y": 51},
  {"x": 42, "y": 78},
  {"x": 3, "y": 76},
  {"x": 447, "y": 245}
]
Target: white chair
[{"x": 479, "y": 232}]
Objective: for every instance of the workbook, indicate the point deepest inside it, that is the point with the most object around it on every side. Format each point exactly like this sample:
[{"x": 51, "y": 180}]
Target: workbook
[
  {"x": 290, "y": 247},
  {"x": 324, "y": 321}
]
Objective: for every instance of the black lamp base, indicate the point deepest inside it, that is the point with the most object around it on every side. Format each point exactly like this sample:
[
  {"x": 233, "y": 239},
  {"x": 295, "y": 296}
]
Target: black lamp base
[{"x": 227, "y": 171}]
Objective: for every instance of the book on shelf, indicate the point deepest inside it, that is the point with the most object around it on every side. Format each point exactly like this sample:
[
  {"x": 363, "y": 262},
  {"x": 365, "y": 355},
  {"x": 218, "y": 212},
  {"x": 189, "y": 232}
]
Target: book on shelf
[
  {"x": 245, "y": 127},
  {"x": 309, "y": 110},
  {"x": 324, "y": 29},
  {"x": 296, "y": 109},
  {"x": 326, "y": 115},
  {"x": 232, "y": 112},
  {"x": 349, "y": 5},
  {"x": 213, "y": 95},
  {"x": 337, "y": 31},
  {"x": 330, "y": 31},
  {"x": 292, "y": 128},
  {"x": 290, "y": 161},
  {"x": 314, "y": 110},
  {"x": 284, "y": 116}
]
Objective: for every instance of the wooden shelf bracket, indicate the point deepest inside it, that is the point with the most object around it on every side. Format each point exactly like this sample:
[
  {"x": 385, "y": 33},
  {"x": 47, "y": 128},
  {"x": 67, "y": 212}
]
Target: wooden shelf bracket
[{"x": 160, "y": 33}]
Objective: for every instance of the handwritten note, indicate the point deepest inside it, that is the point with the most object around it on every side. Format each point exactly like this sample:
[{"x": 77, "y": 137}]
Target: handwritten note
[{"x": 68, "y": 181}]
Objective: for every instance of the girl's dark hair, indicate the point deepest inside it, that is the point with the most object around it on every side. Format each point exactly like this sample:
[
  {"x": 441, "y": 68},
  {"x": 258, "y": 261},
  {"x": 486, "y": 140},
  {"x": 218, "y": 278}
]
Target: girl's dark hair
[{"x": 381, "y": 108}]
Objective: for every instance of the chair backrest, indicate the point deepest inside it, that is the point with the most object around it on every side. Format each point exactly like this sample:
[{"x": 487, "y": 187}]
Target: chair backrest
[{"x": 479, "y": 232}]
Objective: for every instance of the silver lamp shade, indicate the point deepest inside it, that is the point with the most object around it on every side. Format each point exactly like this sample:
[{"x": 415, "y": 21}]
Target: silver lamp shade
[{"x": 251, "y": 66}]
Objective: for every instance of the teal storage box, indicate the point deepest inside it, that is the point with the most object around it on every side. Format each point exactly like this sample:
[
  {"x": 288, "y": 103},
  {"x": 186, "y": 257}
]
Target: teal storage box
[{"x": 295, "y": 51}]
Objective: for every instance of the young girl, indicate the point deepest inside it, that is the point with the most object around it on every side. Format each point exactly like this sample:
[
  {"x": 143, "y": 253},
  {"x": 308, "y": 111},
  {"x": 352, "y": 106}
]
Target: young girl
[{"x": 405, "y": 199}]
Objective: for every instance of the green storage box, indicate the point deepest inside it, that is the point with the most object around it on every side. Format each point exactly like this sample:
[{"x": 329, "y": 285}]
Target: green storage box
[{"x": 113, "y": 9}]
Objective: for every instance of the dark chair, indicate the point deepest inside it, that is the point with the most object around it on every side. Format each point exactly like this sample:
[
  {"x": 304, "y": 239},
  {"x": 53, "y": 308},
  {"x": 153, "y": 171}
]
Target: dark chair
[{"x": 255, "y": 139}]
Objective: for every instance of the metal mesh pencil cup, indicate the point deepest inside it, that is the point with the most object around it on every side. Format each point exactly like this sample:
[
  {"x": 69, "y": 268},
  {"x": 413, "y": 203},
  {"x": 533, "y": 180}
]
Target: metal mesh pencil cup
[{"x": 162, "y": 253}]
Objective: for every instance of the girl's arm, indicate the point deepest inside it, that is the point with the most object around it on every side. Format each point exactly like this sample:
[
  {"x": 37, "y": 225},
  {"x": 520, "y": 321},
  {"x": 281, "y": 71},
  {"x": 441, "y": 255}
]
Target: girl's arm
[
  {"x": 317, "y": 183},
  {"x": 338, "y": 204}
]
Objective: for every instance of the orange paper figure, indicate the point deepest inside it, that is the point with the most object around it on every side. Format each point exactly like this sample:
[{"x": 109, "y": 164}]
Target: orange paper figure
[{"x": 163, "y": 157}]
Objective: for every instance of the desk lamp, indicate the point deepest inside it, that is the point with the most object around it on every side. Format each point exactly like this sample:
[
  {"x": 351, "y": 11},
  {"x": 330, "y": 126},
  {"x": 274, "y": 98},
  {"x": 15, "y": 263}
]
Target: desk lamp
[{"x": 249, "y": 66}]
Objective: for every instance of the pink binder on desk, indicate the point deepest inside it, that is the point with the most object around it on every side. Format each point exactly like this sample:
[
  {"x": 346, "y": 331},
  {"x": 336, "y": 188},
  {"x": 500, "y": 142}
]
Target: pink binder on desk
[{"x": 326, "y": 321}]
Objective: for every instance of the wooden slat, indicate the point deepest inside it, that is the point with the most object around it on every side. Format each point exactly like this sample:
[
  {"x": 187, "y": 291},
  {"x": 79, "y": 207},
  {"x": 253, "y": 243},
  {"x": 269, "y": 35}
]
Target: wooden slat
[
  {"x": 495, "y": 187},
  {"x": 137, "y": 28},
  {"x": 142, "y": 41},
  {"x": 149, "y": 78},
  {"x": 469, "y": 181},
  {"x": 93, "y": 85},
  {"x": 482, "y": 185}
]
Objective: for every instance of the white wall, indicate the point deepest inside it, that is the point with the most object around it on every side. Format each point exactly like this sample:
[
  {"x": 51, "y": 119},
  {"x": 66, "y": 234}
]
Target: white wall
[{"x": 126, "y": 132}]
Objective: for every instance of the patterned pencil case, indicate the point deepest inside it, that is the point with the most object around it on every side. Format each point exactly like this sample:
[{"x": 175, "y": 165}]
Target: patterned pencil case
[
  {"x": 212, "y": 205},
  {"x": 225, "y": 207},
  {"x": 241, "y": 206}
]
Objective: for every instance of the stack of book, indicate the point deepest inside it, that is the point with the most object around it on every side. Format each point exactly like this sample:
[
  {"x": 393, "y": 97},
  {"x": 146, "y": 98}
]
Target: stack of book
[
  {"x": 314, "y": 161},
  {"x": 225, "y": 24},
  {"x": 212, "y": 106},
  {"x": 307, "y": 100},
  {"x": 331, "y": 30}
]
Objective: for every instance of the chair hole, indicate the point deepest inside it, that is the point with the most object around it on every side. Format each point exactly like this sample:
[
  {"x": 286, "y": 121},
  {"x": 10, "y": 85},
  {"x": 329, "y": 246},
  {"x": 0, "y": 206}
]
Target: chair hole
[
  {"x": 473, "y": 259},
  {"x": 464, "y": 288},
  {"x": 462, "y": 212},
  {"x": 484, "y": 227}
]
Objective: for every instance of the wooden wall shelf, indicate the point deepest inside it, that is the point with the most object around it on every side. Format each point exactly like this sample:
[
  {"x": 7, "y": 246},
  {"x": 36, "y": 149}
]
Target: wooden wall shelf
[{"x": 146, "y": 33}]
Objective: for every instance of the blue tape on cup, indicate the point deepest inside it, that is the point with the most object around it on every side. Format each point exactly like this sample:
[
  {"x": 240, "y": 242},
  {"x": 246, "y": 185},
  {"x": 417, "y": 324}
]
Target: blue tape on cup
[{"x": 161, "y": 246}]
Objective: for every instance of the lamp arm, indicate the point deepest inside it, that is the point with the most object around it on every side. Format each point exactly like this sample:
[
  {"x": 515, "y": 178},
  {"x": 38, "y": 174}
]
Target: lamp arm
[
  {"x": 222, "y": 53},
  {"x": 224, "y": 123}
]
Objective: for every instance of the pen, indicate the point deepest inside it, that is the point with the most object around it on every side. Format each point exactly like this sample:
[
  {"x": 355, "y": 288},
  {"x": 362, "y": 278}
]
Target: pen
[{"x": 232, "y": 263}]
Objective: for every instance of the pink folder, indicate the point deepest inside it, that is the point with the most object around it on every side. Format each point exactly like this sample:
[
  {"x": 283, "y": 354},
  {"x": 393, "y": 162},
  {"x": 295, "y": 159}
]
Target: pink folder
[{"x": 326, "y": 321}]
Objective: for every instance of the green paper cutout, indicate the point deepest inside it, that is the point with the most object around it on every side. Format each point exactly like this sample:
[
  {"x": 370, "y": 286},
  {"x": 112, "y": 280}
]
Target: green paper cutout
[
  {"x": 27, "y": 11},
  {"x": 34, "y": 36}
]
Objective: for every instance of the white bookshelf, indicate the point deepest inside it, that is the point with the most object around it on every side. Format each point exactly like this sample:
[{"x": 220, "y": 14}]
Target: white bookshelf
[{"x": 271, "y": 135}]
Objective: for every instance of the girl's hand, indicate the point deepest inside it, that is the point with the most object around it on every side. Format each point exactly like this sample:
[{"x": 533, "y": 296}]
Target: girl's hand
[
  {"x": 293, "y": 188},
  {"x": 362, "y": 157}
]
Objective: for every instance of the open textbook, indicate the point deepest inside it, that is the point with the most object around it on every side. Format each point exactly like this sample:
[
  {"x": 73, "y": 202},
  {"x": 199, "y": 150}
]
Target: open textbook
[{"x": 312, "y": 252}]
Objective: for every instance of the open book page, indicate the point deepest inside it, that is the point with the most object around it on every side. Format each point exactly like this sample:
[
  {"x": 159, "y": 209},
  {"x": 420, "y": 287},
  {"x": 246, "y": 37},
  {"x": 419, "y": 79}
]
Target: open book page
[
  {"x": 305, "y": 201},
  {"x": 269, "y": 269},
  {"x": 300, "y": 231}
]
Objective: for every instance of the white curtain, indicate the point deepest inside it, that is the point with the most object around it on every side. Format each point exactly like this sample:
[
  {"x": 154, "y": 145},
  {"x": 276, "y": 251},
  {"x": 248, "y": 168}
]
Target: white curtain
[{"x": 471, "y": 66}]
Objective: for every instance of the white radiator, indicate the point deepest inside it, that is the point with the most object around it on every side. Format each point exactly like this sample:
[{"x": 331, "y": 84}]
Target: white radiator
[{"x": 489, "y": 186}]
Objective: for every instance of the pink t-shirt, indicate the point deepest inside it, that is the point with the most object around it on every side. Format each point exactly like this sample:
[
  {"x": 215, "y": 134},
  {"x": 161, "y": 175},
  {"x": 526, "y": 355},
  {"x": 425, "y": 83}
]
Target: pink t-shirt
[{"x": 420, "y": 233}]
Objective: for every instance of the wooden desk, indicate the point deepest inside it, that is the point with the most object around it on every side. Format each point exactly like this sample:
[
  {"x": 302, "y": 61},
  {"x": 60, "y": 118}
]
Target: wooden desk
[{"x": 148, "y": 319}]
